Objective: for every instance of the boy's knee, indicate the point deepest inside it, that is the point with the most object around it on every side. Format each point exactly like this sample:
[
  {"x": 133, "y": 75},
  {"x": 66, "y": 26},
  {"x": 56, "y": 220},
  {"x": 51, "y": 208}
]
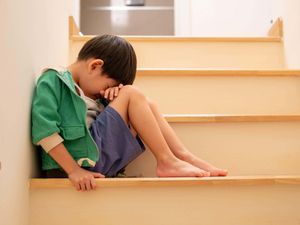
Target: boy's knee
[
  {"x": 131, "y": 90},
  {"x": 151, "y": 103}
]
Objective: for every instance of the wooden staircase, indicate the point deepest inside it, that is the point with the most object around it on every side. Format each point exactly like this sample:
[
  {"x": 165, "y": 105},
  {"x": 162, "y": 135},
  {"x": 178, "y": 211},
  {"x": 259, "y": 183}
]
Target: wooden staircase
[{"x": 233, "y": 103}]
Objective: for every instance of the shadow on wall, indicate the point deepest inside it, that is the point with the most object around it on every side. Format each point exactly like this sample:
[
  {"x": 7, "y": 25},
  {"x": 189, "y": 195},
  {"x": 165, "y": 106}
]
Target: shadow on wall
[{"x": 36, "y": 162}]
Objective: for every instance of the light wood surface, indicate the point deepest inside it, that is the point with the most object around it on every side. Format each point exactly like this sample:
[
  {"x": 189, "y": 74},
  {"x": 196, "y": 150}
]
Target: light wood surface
[
  {"x": 263, "y": 203},
  {"x": 243, "y": 148},
  {"x": 86, "y": 38},
  {"x": 73, "y": 28},
  {"x": 213, "y": 118},
  {"x": 159, "y": 182},
  {"x": 222, "y": 93},
  {"x": 276, "y": 29},
  {"x": 214, "y": 72},
  {"x": 200, "y": 53}
]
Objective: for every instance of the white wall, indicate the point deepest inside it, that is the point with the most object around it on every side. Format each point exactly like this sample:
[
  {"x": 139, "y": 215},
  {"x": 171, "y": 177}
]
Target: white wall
[
  {"x": 182, "y": 17},
  {"x": 240, "y": 18},
  {"x": 289, "y": 11},
  {"x": 222, "y": 18},
  {"x": 76, "y": 12},
  {"x": 34, "y": 33}
]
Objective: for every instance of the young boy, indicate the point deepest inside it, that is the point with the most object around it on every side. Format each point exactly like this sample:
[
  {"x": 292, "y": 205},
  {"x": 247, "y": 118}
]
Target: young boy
[{"x": 87, "y": 117}]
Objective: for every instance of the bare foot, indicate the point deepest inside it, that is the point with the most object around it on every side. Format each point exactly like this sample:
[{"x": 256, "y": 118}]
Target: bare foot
[
  {"x": 199, "y": 163},
  {"x": 179, "y": 168}
]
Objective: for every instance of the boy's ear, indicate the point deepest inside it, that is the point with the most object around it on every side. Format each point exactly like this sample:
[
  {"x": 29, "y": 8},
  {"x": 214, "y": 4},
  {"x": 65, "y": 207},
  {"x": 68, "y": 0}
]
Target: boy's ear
[{"x": 96, "y": 64}]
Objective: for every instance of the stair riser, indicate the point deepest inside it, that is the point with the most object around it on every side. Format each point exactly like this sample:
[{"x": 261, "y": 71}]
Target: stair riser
[
  {"x": 174, "y": 54},
  {"x": 187, "y": 205},
  {"x": 255, "y": 148},
  {"x": 223, "y": 94}
]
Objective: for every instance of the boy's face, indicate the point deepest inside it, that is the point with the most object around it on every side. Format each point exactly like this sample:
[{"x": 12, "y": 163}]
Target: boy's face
[{"x": 94, "y": 80}]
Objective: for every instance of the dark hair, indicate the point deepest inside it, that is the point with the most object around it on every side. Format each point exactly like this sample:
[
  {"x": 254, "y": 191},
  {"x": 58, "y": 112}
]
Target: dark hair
[{"x": 118, "y": 56}]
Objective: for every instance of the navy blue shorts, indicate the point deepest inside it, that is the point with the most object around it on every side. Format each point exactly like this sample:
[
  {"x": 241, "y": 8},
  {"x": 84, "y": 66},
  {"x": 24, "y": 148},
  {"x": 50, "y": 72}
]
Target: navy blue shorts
[{"x": 118, "y": 147}]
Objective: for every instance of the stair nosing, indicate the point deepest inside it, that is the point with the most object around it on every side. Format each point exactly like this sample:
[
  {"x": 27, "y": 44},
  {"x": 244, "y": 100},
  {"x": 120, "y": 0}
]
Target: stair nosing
[
  {"x": 215, "y": 72},
  {"x": 185, "y": 39},
  {"x": 37, "y": 183},
  {"x": 215, "y": 118}
]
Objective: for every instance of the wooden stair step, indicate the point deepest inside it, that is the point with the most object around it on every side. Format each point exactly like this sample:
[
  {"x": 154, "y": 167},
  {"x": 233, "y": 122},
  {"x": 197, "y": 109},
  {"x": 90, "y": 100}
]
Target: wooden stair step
[
  {"x": 207, "y": 118},
  {"x": 153, "y": 38},
  {"x": 177, "y": 201},
  {"x": 191, "y": 52},
  {"x": 222, "y": 91},
  {"x": 216, "y": 72},
  {"x": 57, "y": 183},
  {"x": 214, "y": 52},
  {"x": 243, "y": 144}
]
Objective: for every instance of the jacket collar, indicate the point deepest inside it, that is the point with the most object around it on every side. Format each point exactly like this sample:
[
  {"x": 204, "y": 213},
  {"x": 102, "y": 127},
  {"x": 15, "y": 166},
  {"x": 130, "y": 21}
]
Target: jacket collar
[{"x": 65, "y": 75}]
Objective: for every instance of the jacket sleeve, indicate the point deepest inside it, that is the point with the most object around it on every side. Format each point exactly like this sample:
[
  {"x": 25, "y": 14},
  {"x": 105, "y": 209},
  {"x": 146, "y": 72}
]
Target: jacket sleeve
[
  {"x": 48, "y": 143},
  {"x": 45, "y": 115}
]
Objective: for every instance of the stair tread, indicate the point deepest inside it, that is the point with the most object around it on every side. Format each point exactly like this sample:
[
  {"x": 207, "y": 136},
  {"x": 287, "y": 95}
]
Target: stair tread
[
  {"x": 215, "y": 72},
  {"x": 154, "y": 182},
  {"x": 186, "y": 39},
  {"x": 198, "y": 118}
]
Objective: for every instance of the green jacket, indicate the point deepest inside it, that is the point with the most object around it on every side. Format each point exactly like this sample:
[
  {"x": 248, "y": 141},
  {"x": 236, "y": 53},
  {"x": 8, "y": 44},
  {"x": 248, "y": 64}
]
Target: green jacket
[{"x": 56, "y": 108}]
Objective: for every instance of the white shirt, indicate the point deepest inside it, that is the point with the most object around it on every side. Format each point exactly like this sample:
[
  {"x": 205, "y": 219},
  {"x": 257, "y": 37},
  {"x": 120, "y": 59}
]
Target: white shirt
[{"x": 94, "y": 107}]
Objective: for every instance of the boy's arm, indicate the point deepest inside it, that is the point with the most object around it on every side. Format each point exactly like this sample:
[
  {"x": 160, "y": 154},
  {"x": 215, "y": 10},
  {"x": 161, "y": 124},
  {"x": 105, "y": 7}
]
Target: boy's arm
[
  {"x": 81, "y": 178},
  {"x": 60, "y": 154},
  {"x": 54, "y": 147}
]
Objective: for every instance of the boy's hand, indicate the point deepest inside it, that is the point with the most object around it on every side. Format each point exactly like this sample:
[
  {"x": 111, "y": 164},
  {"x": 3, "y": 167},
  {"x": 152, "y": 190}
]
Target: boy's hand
[
  {"x": 111, "y": 93},
  {"x": 84, "y": 180}
]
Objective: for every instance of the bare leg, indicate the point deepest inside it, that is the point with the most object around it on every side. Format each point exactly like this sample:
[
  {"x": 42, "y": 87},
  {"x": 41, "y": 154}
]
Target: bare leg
[
  {"x": 133, "y": 107},
  {"x": 179, "y": 149}
]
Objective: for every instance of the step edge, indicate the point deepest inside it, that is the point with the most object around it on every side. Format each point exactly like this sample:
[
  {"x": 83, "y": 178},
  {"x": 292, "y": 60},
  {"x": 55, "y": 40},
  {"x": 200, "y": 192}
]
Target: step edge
[
  {"x": 184, "y": 39},
  {"x": 38, "y": 183},
  {"x": 215, "y": 72},
  {"x": 215, "y": 118}
]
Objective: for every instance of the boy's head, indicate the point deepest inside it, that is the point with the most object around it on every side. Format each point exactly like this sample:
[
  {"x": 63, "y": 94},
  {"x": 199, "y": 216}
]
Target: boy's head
[{"x": 118, "y": 56}]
